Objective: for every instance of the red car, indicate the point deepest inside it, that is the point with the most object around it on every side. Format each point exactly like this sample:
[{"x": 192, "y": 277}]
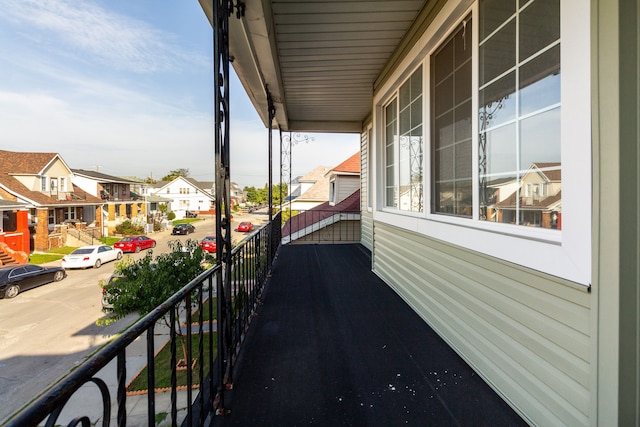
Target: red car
[
  {"x": 208, "y": 244},
  {"x": 245, "y": 226},
  {"x": 135, "y": 243}
]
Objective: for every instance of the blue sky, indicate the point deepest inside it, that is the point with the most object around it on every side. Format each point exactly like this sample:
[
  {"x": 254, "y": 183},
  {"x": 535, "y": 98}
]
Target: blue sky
[{"x": 125, "y": 86}]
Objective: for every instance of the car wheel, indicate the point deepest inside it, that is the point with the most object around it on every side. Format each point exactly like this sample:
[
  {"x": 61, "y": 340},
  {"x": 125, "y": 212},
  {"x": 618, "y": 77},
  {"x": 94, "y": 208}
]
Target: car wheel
[
  {"x": 58, "y": 276},
  {"x": 98, "y": 263},
  {"x": 119, "y": 256},
  {"x": 153, "y": 245},
  {"x": 12, "y": 291},
  {"x": 137, "y": 249}
]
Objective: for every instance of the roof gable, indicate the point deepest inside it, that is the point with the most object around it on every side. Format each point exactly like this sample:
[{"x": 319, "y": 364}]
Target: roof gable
[{"x": 20, "y": 163}]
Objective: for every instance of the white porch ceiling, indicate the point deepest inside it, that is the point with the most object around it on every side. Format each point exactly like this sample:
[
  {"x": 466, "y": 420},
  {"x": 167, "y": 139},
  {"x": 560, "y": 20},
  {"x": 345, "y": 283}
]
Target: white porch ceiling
[{"x": 319, "y": 59}]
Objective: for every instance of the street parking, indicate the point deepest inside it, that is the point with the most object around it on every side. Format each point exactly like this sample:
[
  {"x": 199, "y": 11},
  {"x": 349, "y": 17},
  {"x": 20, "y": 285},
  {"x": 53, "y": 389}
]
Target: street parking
[{"x": 47, "y": 331}]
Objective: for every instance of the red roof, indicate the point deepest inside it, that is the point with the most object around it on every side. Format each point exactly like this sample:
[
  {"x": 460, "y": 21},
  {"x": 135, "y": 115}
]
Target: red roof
[{"x": 351, "y": 165}]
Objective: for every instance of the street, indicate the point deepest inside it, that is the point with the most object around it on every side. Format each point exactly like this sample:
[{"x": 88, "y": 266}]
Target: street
[{"x": 46, "y": 331}]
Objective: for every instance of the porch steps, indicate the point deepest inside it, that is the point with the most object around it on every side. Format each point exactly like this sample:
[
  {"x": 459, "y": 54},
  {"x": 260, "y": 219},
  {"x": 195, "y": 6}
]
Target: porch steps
[{"x": 6, "y": 260}]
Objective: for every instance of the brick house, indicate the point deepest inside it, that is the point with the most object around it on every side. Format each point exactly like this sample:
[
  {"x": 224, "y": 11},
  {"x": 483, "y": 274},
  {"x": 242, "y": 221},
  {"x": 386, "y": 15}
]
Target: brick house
[{"x": 42, "y": 182}]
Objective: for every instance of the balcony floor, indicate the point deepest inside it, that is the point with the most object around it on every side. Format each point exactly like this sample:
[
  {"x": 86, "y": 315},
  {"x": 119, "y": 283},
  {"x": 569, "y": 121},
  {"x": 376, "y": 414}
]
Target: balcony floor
[{"x": 334, "y": 345}]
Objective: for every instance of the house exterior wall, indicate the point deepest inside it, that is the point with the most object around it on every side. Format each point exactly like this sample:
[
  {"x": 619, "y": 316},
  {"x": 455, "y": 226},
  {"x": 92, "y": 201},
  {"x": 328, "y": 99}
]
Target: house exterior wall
[
  {"x": 529, "y": 332},
  {"x": 616, "y": 213},
  {"x": 344, "y": 186},
  {"x": 526, "y": 333},
  {"x": 88, "y": 185}
]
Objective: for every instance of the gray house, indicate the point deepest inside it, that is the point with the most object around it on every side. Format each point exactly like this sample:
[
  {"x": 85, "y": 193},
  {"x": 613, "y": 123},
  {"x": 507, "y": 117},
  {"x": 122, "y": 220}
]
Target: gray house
[{"x": 455, "y": 101}]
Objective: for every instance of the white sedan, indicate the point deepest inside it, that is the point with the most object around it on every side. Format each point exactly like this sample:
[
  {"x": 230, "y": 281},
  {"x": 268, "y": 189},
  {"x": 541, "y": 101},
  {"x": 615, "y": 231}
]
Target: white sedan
[{"x": 91, "y": 256}]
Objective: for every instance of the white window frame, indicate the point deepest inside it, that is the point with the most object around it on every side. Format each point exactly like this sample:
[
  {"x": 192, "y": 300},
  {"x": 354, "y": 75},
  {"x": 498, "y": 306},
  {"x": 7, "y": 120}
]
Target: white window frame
[
  {"x": 44, "y": 183},
  {"x": 395, "y": 95},
  {"x": 563, "y": 253}
]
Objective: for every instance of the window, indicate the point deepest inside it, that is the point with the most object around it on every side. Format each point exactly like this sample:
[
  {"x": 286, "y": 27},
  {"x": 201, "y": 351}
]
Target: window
[
  {"x": 43, "y": 183},
  {"x": 451, "y": 138},
  {"x": 54, "y": 186},
  {"x": 63, "y": 184},
  {"x": 505, "y": 133},
  {"x": 403, "y": 147},
  {"x": 519, "y": 112},
  {"x": 70, "y": 213}
]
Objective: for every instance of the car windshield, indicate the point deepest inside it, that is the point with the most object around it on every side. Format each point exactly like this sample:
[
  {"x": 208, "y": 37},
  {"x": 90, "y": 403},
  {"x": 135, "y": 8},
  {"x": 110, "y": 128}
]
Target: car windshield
[
  {"x": 126, "y": 239},
  {"x": 83, "y": 251},
  {"x": 209, "y": 239}
]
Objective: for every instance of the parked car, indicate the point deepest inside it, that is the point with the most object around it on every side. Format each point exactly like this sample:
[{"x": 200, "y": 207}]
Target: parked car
[
  {"x": 135, "y": 243},
  {"x": 19, "y": 278},
  {"x": 190, "y": 214},
  {"x": 208, "y": 244},
  {"x": 183, "y": 229},
  {"x": 245, "y": 226},
  {"x": 91, "y": 256}
]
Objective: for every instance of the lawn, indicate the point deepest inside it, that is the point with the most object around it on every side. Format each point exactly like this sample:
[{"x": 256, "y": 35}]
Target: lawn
[
  {"x": 163, "y": 365},
  {"x": 163, "y": 358},
  {"x": 186, "y": 220},
  {"x": 50, "y": 255}
]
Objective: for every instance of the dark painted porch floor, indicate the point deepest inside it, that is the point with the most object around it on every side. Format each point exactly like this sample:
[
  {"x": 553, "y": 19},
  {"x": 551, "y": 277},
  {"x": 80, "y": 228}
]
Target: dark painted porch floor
[{"x": 334, "y": 346}]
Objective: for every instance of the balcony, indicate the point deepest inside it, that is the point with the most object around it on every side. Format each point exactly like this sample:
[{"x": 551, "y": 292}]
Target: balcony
[{"x": 308, "y": 335}]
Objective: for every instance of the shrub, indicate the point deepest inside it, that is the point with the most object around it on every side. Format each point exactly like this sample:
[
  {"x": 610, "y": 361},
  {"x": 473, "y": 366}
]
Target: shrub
[
  {"x": 171, "y": 215},
  {"x": 128, "y": 228}
]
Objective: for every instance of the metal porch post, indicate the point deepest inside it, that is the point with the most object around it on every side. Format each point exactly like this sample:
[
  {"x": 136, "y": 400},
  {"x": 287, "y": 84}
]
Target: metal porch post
[{"x": 222, "y": 9}]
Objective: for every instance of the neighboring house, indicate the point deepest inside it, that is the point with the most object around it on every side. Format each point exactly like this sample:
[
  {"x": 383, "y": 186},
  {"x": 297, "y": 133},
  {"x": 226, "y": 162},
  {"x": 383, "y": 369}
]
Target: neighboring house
[
  {"x": 237, "y": 195},
  {"x": 344, "y": 179},
  {"x": 452, "y": 99},
  {"x": 44, "y": 184},
  {"x": 314, "y": 189},
  {"x": 14, "y": 233},
  {"x": 537, "y": 202},
  {"x": 185, "y": 194},
  {"x": 336, "y": 220},
  {"x": 120, "y": 203}
]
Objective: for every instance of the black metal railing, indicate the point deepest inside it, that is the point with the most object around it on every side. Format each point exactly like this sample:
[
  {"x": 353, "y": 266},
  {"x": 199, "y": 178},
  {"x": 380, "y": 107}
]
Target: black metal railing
[
  {"x": 322, "y": 226},
  {"x": 107, "y": 373}
]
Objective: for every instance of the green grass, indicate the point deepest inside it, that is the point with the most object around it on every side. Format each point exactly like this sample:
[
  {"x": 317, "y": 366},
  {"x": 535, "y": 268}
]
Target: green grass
[
  {"x": 51, "y": 255},
  {"x": 186, "y": 220},
  {"x": 163, "y": 365},
  {"x": 109, "y": 240}
]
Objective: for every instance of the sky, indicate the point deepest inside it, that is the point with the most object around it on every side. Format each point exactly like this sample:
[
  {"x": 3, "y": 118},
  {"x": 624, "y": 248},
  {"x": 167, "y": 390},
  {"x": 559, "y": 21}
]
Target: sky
[{"x": 125, "y": 87}]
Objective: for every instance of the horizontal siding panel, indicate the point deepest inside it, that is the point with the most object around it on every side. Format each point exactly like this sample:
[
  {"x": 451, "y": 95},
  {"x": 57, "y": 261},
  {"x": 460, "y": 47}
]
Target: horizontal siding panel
[{"x": 528, "y": 334}]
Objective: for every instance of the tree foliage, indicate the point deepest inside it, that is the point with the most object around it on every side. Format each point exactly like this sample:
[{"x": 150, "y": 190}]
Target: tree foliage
[
  {"x": 146, "y": 283},
  {"x": 175, "y": 173},
  {"x": 260, "y": 196}
]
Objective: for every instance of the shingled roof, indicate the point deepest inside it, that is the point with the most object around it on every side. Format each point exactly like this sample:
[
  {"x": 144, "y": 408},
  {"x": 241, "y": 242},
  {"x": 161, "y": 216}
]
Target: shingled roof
[{"x": 21, "y": 163}]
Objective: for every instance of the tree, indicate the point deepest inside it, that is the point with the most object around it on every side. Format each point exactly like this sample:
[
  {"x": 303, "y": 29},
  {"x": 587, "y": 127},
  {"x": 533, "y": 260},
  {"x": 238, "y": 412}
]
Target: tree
[
  {"x": 176, "y": 173},
  {"x": 261, "y": 195},
  {"x": 145, "y": 284}
]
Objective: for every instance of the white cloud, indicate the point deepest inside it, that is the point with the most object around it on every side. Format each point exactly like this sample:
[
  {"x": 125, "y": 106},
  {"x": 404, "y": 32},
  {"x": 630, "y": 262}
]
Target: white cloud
[{"x": 86, "y": 30}]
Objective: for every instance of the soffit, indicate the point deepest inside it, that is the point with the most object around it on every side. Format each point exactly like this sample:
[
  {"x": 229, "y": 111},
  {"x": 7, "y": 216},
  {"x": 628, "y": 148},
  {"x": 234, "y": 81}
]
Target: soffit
[{"x": 319, "y": 59}]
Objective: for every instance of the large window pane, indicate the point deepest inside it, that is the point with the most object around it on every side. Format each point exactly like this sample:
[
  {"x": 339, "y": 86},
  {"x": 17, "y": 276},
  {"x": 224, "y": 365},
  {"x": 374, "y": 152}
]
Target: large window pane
[
  {"x": 404, "y": 147},
  {"x": 519, "y": 119},
  {"x": 452, "y": 124}
]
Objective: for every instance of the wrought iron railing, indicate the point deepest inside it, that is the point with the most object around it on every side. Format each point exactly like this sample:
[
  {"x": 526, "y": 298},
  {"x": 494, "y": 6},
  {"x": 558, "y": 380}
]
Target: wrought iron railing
[
  {"x": 228, "y": 312},
  {"x": 322, "y": 226}
]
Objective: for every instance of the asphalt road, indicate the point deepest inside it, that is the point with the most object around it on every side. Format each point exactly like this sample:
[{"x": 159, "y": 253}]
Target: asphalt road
[{"x": 46, "y": 331}]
